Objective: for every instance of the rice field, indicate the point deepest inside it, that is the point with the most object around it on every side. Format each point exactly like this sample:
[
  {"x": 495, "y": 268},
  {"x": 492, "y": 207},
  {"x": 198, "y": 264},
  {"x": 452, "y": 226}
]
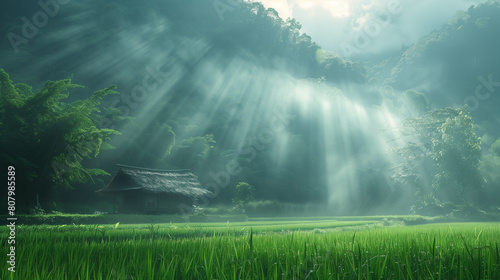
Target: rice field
[{"x": 258, "y": 249}]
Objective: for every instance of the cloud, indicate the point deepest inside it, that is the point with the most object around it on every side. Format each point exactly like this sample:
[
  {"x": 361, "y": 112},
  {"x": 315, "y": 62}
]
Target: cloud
[
  {"x": 281, "y": 6},
  {"x": 387, "y": 23},
  {"x": 336, "y": 8}
]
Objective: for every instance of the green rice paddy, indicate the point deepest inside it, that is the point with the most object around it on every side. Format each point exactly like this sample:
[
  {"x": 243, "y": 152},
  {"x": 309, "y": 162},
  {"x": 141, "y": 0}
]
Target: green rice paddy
[{"x": 257, "y": 249}]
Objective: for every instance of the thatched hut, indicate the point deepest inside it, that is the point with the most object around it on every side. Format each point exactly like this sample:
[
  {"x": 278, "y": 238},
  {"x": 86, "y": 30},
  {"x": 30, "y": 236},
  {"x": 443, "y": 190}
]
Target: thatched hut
[{"x": 141, "y": 190}]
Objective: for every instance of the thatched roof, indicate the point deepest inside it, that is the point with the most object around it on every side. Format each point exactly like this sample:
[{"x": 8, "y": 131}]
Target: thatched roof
[{"x": 181, "y": 182}]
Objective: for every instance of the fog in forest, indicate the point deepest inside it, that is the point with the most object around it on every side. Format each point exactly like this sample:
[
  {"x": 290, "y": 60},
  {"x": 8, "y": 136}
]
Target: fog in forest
[{"x": 283, "y": 108}]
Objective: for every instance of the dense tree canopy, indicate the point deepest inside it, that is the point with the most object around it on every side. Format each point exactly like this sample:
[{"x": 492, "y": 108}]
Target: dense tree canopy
[
  {"x": 46, "y": 139},
  {"x": 441, "y": 162},
  {"x": 457, "y": 155}
]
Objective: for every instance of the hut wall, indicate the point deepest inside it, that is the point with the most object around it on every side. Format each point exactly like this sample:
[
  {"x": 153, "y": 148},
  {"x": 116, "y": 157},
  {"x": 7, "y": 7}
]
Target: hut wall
[
  {"x": 131, "y": 201},
  {"x": 165, "y": 203}
]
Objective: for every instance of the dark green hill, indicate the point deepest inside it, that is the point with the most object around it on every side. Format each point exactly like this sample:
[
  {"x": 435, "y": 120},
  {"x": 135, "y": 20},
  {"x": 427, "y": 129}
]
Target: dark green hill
[
  {"x": 92, "y": 39},
  {"x": 451, "y": 63}
]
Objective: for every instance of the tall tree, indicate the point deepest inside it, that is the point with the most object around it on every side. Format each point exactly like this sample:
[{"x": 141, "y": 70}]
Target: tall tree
[
  {"x": 46, "y": 139},
  {"x": 457, "y": 155},
  {"x": 489, "y": 166},
  {"x": 440, "y": 157}
]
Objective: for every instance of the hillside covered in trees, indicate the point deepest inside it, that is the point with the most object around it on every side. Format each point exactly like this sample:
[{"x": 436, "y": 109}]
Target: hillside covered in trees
[{"x": 237, "y": 94}]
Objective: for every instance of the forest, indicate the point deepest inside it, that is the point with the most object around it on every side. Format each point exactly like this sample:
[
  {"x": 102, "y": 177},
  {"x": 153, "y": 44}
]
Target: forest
[
  {"x": 250, "y": 98},
  {"x": 139, "y": 136}
]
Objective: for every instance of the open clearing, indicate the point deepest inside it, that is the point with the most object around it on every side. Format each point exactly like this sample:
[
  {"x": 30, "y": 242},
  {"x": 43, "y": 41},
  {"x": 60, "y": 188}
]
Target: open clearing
[{"x": 265, "y": 248}]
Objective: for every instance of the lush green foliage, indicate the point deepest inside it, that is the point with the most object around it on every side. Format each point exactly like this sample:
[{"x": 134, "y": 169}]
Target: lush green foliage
[
  {"x": 148, "y": 147},
  {"x": 243, "y": 194},
  {"x": 489, "y": 166},
  {"x": 183, "y": 120},
  {"x": 46, "y": 139},
  {"x": 495, "y": 148},
  {"x": 206, "y": 251},
  {"x": 443, "y": 163},
  {"x": 453, "y": 59},
  {"x": 457, "y": 156}
]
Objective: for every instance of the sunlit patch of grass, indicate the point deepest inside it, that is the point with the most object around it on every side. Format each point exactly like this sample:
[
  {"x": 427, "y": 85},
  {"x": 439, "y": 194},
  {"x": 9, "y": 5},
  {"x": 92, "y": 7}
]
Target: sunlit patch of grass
[{"x": 248, "y": 251}]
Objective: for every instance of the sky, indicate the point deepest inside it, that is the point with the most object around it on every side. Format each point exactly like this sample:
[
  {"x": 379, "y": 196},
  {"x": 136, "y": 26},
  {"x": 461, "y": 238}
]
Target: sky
[{"x": 353, "y": 27}]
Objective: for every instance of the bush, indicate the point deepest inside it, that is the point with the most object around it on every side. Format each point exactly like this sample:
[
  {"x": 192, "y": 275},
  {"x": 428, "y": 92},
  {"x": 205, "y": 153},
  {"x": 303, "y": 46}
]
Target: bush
[
  {"x": 264, "y": 208},
  {"x": 434, "y": 209},
  {"x": 449, "y": 207},
  {"x": 273, "y": 208},
  {"x": 243, "y": 194},
  {"x": 223, "y": 210},
  {"x": 415, "y": 221},
  {"x": 37, "y": 211},
  {"x": 472, "y": 213},
  {"x": 65, "y": 219},
  {"x": 203, "y": 218}
]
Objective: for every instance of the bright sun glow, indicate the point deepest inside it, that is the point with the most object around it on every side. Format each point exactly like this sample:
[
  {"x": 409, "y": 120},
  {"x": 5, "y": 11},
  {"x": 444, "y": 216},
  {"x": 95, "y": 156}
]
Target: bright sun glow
[
  {"x": 303, "y": 95},
  {"x": 390, "y": 119},
  {"x": 360, "y": 111},
  {"x": 336, "y": 8},
  {"x": 326, "y": 104}
]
